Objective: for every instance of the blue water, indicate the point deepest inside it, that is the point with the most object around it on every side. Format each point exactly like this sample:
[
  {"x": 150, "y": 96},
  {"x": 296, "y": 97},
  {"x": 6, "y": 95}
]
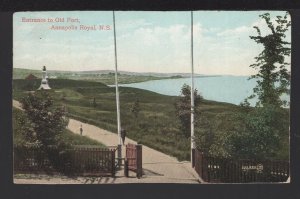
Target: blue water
[{"x": 231, "y": 89}]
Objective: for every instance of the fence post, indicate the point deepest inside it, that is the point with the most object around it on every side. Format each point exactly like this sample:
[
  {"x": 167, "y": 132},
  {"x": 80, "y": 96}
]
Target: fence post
[
  {"x": 113, "y": 171},
  {"x": 204, "y": 166},
  {"x": 119, "y": 155},
  {"x": 193, "y": 158},
  {"x": 139, "y": 167},
  {"x": 126, "y": 173},
  {"x": 200, "y": 163}
]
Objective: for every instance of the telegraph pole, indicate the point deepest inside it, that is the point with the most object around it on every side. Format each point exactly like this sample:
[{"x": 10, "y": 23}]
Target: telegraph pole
[
  {"x": 117, "y": 95},
  {"x": 192, "y": 94}
]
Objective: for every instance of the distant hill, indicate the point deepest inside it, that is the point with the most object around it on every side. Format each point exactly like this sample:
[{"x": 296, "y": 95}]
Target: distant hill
[
  {"x": 104, "y": 76},
  {"x": 20, "y": 73}
]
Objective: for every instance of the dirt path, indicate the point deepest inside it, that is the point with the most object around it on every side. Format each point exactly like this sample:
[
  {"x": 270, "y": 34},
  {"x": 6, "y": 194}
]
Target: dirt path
[
  {"x": 17, "y": 104},
  {"x": 158, "y": 167}
]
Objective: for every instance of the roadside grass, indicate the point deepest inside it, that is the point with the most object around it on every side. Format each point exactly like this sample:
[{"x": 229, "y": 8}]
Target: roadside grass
[
  {"x": 75, "y": 139},
  {"x": 156, "y": 125}
]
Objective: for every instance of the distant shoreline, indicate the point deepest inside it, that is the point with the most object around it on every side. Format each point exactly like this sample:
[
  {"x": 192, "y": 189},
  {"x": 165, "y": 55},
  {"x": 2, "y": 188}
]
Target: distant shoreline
[{"x": 104, "y": 76}]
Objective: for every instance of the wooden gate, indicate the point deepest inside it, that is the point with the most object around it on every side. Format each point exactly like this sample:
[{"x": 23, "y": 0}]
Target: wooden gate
[
  {"x": 134, "y": 158},
  {"x": 93, "y": 161}
]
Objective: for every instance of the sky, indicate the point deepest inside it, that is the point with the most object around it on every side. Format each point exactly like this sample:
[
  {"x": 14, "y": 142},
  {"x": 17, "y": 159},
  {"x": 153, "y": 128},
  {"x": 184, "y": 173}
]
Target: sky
[{"x": 147, "y": 41}]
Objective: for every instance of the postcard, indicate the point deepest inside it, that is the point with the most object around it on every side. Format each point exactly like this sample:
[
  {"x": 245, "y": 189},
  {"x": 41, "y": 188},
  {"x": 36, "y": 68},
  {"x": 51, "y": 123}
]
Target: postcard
[{"x": 110, "y": 97}]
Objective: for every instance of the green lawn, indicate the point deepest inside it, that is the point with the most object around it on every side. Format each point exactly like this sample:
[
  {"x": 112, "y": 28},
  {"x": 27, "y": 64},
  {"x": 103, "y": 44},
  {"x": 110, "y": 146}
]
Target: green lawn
[{"x": 156, "y": 125}]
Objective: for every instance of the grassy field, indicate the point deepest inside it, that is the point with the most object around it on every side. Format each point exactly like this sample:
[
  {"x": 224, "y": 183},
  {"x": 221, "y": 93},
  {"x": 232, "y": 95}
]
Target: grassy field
[{"x": 156, "y": 125}]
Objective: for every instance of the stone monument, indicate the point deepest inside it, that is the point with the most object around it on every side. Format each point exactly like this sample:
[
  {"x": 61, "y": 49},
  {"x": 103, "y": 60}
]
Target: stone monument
[{"x": 44, "y": 84}]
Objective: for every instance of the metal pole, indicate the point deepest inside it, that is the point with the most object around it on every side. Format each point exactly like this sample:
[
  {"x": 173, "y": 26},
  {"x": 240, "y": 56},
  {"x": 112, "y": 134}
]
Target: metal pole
[
  {"x": 192, "y": 94},
  {"x": 117, "y": 95}
]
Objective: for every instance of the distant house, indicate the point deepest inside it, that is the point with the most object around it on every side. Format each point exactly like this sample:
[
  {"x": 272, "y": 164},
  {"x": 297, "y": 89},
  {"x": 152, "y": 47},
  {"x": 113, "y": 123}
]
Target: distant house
[{"x": 30, "y": 77}]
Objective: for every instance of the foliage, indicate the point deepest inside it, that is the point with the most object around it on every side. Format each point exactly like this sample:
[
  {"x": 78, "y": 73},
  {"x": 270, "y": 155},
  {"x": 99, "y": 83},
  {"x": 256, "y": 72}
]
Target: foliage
[
  {"x": 94, "y": 102},
  {"x": 66, "y": 136},
  {"x": 135, "y": 109},
  {"x": 183, "y": 108},
  {"x": 205, "y": 136},
  {"x": 247, "y": 133},
  {"x": 213, "y": 132},
  {"x": 42, "y": 124},
  {"x": 273, "y": 78},
  {"x": 261, "y": 133}
]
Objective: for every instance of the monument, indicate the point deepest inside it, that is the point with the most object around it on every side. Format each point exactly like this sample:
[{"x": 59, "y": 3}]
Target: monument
[{"x": 44, "y": 84}]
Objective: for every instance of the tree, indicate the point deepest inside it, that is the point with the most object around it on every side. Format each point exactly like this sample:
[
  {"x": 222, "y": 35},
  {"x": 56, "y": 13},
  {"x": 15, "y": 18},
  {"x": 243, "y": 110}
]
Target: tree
[
  {"x": 94, "y": 102},
  {"x": 183, "y": 108},
  {"x": 135, "y": 109},
  {"x": 43, "y": 123},
  {"x": 204, "y": 135},
  {"x": 213, "y": 133},
  {"x": 263, "y": 129},
  {"x": 261, "y": 133},
  {"x": 273, "y": 78}
]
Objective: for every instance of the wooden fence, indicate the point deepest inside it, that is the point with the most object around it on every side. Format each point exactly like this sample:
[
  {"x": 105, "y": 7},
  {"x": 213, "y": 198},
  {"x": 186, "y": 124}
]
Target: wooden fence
[
  {"x": 134, "y": 159},
  {"x": 212, "y": 169},
  {"x": 31, "y": 160},
  {"x": 86, "y": 161}
]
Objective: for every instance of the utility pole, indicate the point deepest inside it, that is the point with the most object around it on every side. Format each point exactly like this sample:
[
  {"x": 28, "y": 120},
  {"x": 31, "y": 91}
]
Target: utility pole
[
  {"x": 117, "y": 96},
  {"x": 192, "y": 94}
]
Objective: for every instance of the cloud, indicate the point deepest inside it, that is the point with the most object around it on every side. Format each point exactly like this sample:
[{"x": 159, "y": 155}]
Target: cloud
[
  {"x": 157, "y": 48},
  {"x": 249, "y": 30},
  {"x": 143, "y": 47},
  {"x": 231, "y": 51},
  {"x": 62, "y": 56},
  {"x": 235, "y": 31},
  {"x": 132, "y": 24}
]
